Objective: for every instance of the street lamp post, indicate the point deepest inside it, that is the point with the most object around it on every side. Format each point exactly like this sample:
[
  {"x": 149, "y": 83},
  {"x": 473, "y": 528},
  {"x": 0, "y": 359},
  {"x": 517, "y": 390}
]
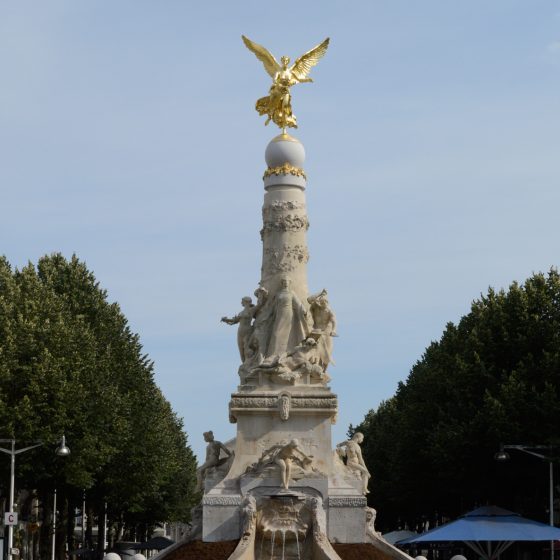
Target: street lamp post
[
  {"x": 503, "y": 455},
  {"x": 62, "y": 451},
  {"x": 84, "y": 519},
  {"x": 13, "y": 452}
]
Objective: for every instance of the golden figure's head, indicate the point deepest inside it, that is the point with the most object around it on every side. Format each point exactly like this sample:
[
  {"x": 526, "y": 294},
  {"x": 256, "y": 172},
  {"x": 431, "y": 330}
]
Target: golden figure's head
[{"x": 285, "y": 61}]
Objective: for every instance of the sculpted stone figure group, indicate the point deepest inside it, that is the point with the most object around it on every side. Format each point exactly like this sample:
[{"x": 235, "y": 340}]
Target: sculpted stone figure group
[
  {"x": 285, "y": 455},
  {"x": 280, "y": 335}
]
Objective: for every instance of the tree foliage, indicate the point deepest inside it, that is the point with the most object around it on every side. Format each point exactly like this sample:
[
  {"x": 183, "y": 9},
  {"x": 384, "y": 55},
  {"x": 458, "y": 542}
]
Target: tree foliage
[
  {"x": 494, "y": 377},
  {"x": 70, "y": 364}
]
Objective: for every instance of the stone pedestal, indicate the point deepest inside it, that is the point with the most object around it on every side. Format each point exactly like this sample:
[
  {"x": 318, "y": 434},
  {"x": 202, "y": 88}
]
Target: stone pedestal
[
  {"x": 265, "y": 418},
  {"x": 346, "y": 519},
  {"x": 221, "y": 517}
]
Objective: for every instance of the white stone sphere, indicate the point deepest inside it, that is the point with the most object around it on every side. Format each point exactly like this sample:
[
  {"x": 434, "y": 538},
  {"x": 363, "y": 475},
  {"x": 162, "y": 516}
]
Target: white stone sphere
[
  {"x": 285, "y": 149},
  {"x": 111, "y": 556},
  {"x": 420, "y": 558},
  {"x": 458, "y": 557},
  {"x": 139, "y": 556}
]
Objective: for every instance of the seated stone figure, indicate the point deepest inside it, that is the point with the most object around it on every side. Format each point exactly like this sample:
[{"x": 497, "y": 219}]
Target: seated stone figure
[
  {"x": 213, "y": 460},
  {"x": 354, "y": 460}
]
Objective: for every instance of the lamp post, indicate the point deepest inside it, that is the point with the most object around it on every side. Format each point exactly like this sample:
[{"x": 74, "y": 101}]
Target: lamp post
[
  {"x": 84, "y": 519},
  {"x": 503, "y": 455},
  {"x": 12, "y": 451},
  {"x": 62, "y": 451}
]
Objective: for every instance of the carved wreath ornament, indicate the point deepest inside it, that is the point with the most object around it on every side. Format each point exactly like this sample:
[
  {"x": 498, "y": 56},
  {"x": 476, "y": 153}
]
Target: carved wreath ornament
[
  {"x": 290, "y": 222},
  {"x": 280, "y": 205},
  {"x": 287, "y": 258},
  {"x": 285, "y": 169}
]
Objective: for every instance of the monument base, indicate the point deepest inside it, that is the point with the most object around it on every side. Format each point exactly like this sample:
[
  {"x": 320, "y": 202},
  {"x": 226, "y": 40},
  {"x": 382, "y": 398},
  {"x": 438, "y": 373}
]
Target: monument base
[{"x": 198, "y": 550}]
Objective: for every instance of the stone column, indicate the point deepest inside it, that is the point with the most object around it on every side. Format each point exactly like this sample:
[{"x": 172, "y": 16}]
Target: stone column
[{"x": 285, "y": 220}]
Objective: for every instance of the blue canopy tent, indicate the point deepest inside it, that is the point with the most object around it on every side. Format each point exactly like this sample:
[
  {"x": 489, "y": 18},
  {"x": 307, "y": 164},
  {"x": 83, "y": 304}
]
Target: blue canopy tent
[
  {"x": 481, "y": 527},
  {"x": 401, "y": 535}
]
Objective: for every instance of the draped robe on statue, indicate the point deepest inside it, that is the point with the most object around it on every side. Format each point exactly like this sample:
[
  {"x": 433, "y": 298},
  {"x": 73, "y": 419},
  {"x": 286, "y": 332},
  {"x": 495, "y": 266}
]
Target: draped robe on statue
[{"x": 289, "y": 324}]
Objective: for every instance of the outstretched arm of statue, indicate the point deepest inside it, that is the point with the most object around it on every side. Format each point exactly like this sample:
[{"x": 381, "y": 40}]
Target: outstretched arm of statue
[{"x": 230, "y": 321}]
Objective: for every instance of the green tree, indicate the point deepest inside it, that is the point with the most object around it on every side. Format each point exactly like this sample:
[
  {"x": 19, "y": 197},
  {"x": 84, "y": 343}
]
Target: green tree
[
  {"x": 494, "y": 377},
  {"x": 70, "y": 364}
]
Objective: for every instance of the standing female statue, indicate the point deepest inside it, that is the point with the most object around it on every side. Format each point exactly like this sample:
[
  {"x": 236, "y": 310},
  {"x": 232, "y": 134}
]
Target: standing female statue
[
  {"x": 259, "y": 338},
  {"x": 289, "y": 324}
]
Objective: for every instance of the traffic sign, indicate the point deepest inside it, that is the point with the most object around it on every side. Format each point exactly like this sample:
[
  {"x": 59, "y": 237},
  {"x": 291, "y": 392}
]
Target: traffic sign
[{"x": 10, "y": 518}]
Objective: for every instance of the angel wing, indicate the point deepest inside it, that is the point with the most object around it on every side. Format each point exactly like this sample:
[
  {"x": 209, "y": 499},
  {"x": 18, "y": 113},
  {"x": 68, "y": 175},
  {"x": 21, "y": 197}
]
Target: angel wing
[
  {"x": 270, "y": 63},
  {"x": 305, "y": 62}
]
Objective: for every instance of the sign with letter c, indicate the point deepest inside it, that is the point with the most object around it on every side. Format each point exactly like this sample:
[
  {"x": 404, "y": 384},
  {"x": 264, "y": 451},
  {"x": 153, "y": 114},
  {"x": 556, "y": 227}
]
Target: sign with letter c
[{"x": 10, "y": 518}]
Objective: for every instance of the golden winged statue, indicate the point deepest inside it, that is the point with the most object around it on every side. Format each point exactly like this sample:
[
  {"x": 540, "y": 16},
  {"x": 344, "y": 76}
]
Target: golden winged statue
[{"x": 277, "y": 105}]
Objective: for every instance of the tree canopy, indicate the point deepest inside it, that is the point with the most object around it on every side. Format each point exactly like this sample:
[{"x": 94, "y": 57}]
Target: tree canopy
[
  {"x": 70, "y": 364},
  {"x": 492, "y": 378}
]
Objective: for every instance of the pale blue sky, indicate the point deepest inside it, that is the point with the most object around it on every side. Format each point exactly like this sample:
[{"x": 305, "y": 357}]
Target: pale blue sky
[{"x": 128, "y": 136}]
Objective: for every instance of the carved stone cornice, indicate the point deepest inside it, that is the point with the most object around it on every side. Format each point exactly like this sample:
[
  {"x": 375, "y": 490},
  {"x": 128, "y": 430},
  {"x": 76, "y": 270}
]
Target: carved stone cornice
[
  {"x": 221, "y": 501},
  {"x": 347, "y": 502},
  {"x": 273, "y": 404},
  {"x": 330, "y": 402},
  {"x": 253, "y": 402}
]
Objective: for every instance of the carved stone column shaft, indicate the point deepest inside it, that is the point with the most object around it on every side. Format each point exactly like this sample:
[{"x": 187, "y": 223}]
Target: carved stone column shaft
[{"x": 285, "y": 221}]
